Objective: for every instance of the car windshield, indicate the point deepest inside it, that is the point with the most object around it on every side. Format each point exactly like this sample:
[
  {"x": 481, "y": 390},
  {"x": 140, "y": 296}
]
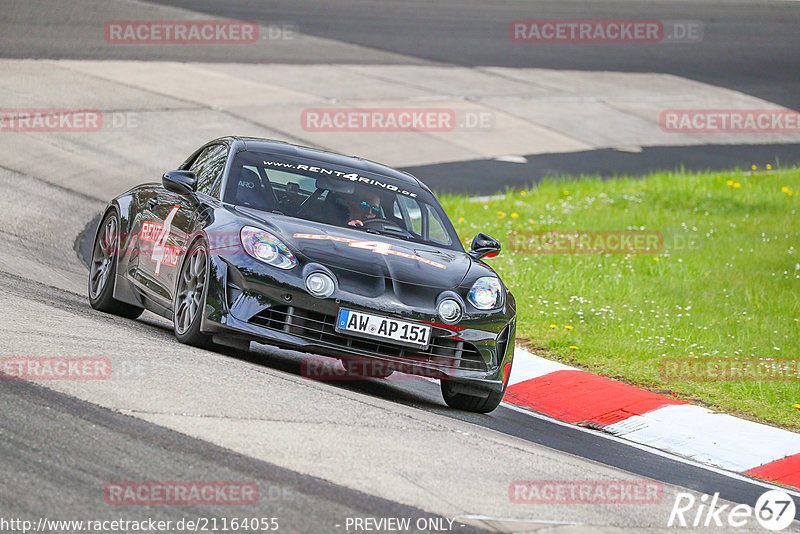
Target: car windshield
[{"x": 339, "y": 196}]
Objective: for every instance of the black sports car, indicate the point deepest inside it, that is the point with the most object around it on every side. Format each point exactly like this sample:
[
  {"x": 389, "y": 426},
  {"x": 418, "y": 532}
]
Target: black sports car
[{"x": 259, "y": 240}]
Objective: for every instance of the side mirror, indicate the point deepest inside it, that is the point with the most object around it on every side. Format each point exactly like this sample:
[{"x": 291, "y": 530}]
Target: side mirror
[
  {"x": 181, "y": 182},
  {"x": 484, "y": 246}
]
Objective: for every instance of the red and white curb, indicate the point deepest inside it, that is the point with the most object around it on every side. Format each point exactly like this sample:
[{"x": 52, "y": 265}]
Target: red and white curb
[{"x": 658, "y": 421}]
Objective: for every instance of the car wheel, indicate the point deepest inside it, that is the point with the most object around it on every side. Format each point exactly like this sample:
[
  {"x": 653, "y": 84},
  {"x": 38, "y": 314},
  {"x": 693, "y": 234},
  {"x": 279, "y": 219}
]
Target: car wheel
[
  {"x": 103, "y": 270},
  {"x": 470, "y": 403},
  {"x": 190, "y": 297}
]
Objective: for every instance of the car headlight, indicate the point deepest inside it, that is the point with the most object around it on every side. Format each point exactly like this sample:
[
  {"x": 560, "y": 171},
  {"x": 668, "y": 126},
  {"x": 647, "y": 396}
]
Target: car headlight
[
  {"x": 265, "y": 247},
  {"x": 320, "y": 284},
  {"x": 486, "y": 293},
  {"x": 449, "y": 311}
]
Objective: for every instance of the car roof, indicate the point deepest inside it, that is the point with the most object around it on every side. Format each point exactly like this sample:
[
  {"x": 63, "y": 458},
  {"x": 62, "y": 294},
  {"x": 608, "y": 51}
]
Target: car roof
[{"x": 273, "y": 146}]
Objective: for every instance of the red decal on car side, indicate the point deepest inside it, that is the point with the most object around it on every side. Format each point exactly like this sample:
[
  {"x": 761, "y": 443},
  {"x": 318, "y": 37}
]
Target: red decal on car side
[{"x": 378, "y": 247}]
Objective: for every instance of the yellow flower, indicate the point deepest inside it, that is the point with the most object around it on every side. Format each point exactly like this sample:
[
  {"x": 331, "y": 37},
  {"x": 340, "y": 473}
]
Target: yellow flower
[
  {"x": 655, "y": 259},
  {"x": 796, "y": 406},
  {"x": 566, "y": 193},
  {"x": 769, "y": 167},
  {"x": 461, "y": 219},
  {"x": 515, "y": 215},
  {"x": 730, "y": 182},
  {"x": 785, "y": 189},
  {"x": 531, "y": 221},
  {"x": 523, "y": 193},
  {"x": 553, "y": 326},
  {"x": 573, "y": 347},
  {"x": 737, "y": 185},
  {"x": 568, "y": 327},
  {"x": 753, "y": 167},
  {"x": 501, "y": 214}
]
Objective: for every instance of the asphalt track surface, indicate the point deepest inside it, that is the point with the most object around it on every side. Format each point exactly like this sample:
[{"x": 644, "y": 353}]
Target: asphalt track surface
[
  {"x": 58, "y": 450},
  {"x": 59, "y": 457},
  {"x": 749, "y": 47}
]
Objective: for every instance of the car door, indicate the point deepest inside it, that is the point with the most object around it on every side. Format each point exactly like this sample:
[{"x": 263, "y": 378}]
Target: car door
[{"x": 169, "y": 220}]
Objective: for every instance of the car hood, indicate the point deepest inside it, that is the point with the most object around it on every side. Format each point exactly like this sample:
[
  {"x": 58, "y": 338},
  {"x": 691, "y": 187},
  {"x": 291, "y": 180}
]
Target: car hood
[{"x": 366, "y": 253}]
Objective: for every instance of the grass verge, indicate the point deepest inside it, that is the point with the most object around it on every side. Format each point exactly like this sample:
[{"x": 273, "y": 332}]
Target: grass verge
[{"x": 712, "y": 313}]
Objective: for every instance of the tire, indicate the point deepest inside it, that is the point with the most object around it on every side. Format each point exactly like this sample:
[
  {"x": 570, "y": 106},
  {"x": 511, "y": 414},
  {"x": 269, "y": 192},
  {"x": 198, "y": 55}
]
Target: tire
[
  {"x": 103, "y": 270},
  {"x": 190, "y": 294},
  {"x": 470, "y": 403}
]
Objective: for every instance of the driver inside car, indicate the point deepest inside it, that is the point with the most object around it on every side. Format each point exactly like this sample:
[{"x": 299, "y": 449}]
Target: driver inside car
[{"x": 363, "y": 204}]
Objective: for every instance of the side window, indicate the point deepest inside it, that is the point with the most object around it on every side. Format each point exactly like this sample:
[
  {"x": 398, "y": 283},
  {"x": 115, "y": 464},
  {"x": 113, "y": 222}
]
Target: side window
[
  {"x": 414, "y": 214},
  {"x": 208, "y": 167},
  {"x": 423, "y": 220},
  {"x": 436, "y": 231}
]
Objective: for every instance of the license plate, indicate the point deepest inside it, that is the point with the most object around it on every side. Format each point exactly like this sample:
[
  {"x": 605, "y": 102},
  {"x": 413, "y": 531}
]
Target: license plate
[{"x": 373, "y": 326}]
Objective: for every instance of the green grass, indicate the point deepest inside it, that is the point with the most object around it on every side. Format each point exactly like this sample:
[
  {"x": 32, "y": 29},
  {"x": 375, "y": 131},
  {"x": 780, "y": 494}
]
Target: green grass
[{"x": 725, "y": 286}]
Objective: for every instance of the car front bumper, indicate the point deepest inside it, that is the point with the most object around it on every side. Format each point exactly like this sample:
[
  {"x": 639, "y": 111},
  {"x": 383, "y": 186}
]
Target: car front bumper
[{"x": 249, "y": 301}]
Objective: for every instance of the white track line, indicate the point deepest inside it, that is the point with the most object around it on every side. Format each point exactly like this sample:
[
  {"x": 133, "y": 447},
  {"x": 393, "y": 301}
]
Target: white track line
[
  {"x": 710, "y": 437},
  {"x": 657, "y": 452}
]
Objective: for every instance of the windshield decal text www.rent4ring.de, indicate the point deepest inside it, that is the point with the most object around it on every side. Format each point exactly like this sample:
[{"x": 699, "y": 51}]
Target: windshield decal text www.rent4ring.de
[{"x": 352, "y": 176}]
